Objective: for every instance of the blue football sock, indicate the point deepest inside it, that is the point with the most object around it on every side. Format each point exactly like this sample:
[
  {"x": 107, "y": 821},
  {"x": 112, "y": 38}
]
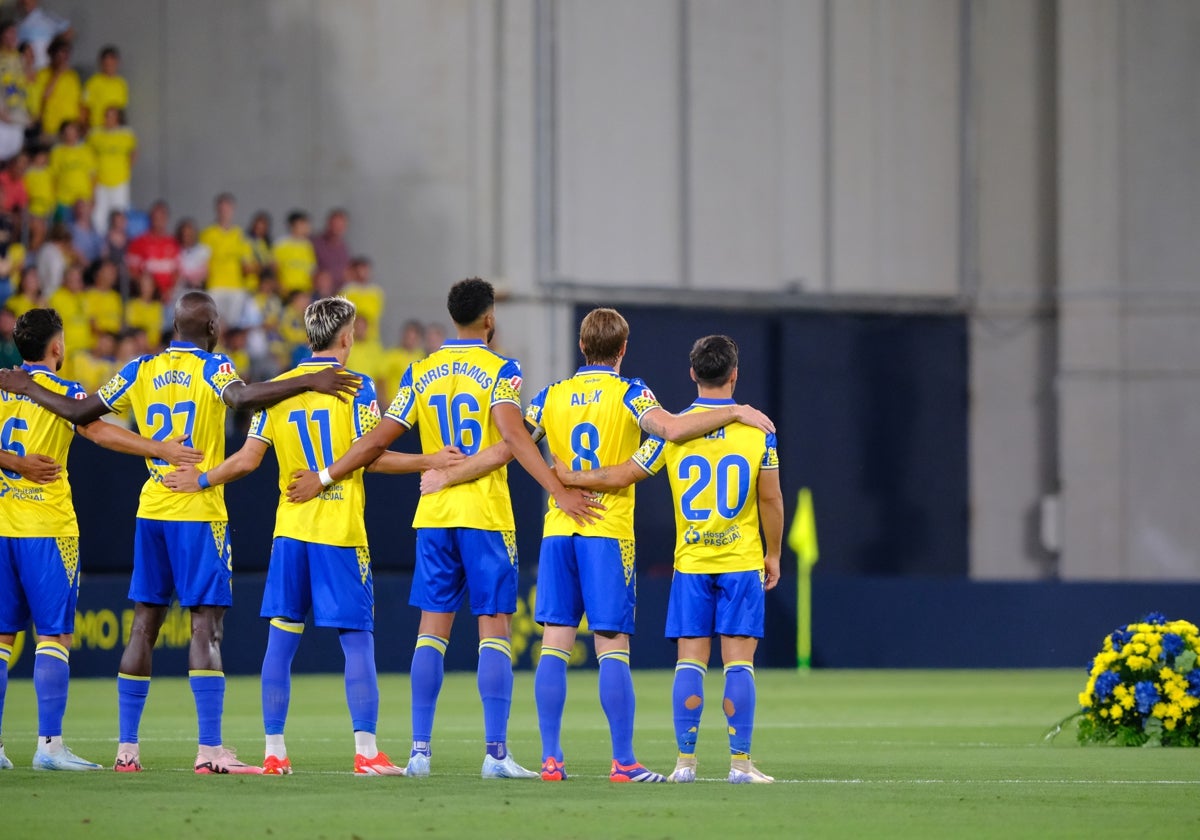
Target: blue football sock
[
  {"x": 618, "y": 701},
  {"x": 5, "y": 655},
  {"x": 495, "y": 680},
  {"x": 740, "y": 699},
  {"x": 362, "y": 687},
  {"x": 282, "y": 641},
  {"x": 208, "y": 689},
  {"x": 51, "y": 673},
  {"x": 550, "y": 692},
  {"x": 426, "y": 676},
  {"x": 131, "y": 701},
  {"x": 687, "y": 700}
]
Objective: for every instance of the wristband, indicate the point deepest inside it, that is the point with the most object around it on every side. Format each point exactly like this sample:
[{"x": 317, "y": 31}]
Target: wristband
[
  {"x": 203, "y": 481},
  {"x": 326, "y": 478}
]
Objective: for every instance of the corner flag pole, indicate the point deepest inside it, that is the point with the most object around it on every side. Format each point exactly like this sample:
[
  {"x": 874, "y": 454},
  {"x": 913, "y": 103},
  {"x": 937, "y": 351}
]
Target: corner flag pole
[{"x": 802, "y": 539}]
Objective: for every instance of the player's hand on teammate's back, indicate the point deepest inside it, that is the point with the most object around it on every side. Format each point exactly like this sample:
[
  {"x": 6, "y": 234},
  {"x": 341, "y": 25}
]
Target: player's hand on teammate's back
[
  {"x": 15, "y": 381},
  {"x": 432, "y": 481},
  {"x": 337, "y": 382},
  {"x": 178, "y": 452},
  {"x": 305, "y": 485},
  {"x": 751, "y": 416},
  {"x": 39, "y": 469},
  {"x": 560, "y": 468},
  {"x": 580, "y": 506},
  {"x": 771, "y": 564},
  {"x": 186, "y": 479}
]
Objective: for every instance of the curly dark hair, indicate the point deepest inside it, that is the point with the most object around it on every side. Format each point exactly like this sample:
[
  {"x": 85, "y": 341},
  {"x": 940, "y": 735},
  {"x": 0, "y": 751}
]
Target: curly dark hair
[
  {"x": 469, "y": 300},
  {"x": 714, "y": 358},
  {"x": 34, "y": 332}
]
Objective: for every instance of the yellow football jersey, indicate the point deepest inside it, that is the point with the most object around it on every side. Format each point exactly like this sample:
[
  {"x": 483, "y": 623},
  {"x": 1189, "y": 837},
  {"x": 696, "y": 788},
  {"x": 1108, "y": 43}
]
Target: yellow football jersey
[
  {"x": 295, "y": 261},
  {"x": 450, "y": 394},
  {"x": 230, "y": 251},
  {"x": 103, "y": 92},
  {"x": 368, "y": 300},
  {"x": 72, "y": 307},
  {"x": 310, "y": 432},
  {"x": 113, "y": 149},
  {"x": 714, "y": 484},
  {"x": 73, "y": 168},
  {"x": 174, "y": 393},
  {"x": 593, "y": 420},
  {"x": 28, "y": 509},
  {"x": 146, "y": 315},
  {"x": 104, "y": 309},
  {"x": 39, "y": 184}
]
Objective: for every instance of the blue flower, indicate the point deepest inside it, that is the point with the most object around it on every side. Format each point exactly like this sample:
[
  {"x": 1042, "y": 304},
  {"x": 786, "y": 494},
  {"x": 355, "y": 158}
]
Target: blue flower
[
  {"x": 1193, "y": 678},
  {"x": 1145, "y": 694},
  {"x": 1156, "y": 618},
  {"x": 1172, "y": 644},
  {"x": 1120, "y": 638},
  {"x": 1105, "y": 683}
]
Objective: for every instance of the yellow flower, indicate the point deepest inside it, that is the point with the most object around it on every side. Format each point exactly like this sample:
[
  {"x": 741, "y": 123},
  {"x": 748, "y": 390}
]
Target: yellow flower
[
  {"x": 1138, "y": 647},
  {"x": 1159, "y": 710},
  {"x": 1174, "y": 711},
  {"x": 1127, "y": 701},
  {"x": 1085, "y": 698},
  {"x": 1138, "y": 663},
  {"x": 1156, "y": 651},
  {"x": 1115, "y": 711},
  {"x": 1169, "y": 724},
  {"x": 1188, "y": 702}
]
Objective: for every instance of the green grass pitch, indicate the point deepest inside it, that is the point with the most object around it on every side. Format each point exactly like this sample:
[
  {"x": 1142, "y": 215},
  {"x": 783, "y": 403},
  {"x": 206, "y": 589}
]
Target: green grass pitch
[{"x": 856, "y": 754}]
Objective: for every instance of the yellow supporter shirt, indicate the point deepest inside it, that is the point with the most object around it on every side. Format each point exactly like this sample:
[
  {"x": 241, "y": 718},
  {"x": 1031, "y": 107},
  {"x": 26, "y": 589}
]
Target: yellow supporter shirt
[
  {"x": 450, "y": 394},
  {"x": 103, "y": 92},
  {"x": 113, "y": 149},
  {"x": 174, "y": 393},
  {"x": 39, "y": 184},
  {"x": 371, "y": 359},
  {"x": 368, "y": 300},
  {"x": 104, "y": 308},
  {"x": 74, "y": 171},
  {"x": 146, "y": 315},
  {"x": 38, "y": 510},
  {"x": 310, "y": 432},
  {"x": 92, "y": 372},
  {"x": 72, "y": 307},
  {"x": 230, "y": 251},
  {"x": 18, "y": 304},
  {"x": 16, "y": 259},
  {"x": 61, "y": 104},
  {"x": 295, "y": 261},
  {"x": 593, "y": 420},
  {"x": 714, "y": 487}
]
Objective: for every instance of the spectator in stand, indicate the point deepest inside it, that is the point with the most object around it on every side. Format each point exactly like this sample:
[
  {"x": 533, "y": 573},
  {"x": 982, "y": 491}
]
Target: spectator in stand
[
  {"x": 323, "y": 285},
  {"x": 14, "y": 198},
  {"x": 104, "y": 303},
  {"x": 53, "y": 258},
  {"x": 29, "y": 293},
  {"x": 291, "y": 325},
  {"x": 29, "y": 68},
  {"x": 39, "y": 183},
  {"x": 145, "y": 311},
  {"x": 55, "y": 96},
  {"x": 115, "y": 147},
  {"x": 156, "y": 252},
  {"x": 116, "y": 240},
  {"x": 330, "y": 246},
  {"x": 10, "y": 356},
  {"x": 131, "y": 343},
  {"x": 435, "y": 337},
  {"x": 370, "y": 359},
  {"x": 40, "y": 29},
  {"x": 233, "y": 343},
  {"x": 411, "y": 349},
  {"x": 293, "y": 255},
  {"x": 14, "y": 108},
  {"x": 70, "y": 301},
  {"x": 87, "y": 243},
  {"x": 73, "y": 167},
  {"x": 231, "y": 260},
  {"x": 258, "y": 234},
  {"x": 10, "y": 252},
  {"x": 367, "y": 297},
  {"x": 193, "y": 257},
  {"x": 268, "y": 302},
  {"x": 94, "y": 367},
  {"x": 106, "y": 88}
]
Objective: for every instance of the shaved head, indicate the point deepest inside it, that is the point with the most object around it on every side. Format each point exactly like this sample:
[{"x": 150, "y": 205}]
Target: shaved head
[{"x": 196, "y": 320}]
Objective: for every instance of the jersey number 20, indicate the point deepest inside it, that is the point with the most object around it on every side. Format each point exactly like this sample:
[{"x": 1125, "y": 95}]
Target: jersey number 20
[{"x": 731, "y": 473}]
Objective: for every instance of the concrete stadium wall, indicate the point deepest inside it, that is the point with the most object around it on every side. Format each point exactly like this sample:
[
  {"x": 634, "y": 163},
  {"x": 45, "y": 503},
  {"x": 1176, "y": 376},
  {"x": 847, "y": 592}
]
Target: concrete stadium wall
[{"x": 1026, "y": 162}]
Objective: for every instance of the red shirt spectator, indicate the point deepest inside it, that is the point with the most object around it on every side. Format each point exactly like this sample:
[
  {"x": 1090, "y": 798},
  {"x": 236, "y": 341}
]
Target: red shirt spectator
[
  {"x": 156, "y": 252},
  {"x": 13, "y": 196}
]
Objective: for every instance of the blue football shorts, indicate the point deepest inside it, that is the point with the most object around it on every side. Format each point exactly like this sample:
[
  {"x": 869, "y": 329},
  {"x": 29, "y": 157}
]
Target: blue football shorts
[
  {"x": 592, "y": 575},
  {"x": 333, "y": 581},
  {"x": 727, "y": 604},
  {"x": 454, "y": 561},
  {"x": 39, "y": 580},
  {"x": 192, "y": 559}
]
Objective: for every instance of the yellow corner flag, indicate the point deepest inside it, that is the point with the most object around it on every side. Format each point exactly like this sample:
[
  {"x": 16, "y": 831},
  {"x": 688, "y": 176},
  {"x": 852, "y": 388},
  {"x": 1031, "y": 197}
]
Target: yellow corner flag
[{"x": 802, "y": 539}]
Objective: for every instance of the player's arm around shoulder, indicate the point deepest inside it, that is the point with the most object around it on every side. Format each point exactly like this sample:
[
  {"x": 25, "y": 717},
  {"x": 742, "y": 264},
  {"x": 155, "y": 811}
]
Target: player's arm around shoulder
[
  {"x": 644, "y": 463},
  {"x": 770, "y": 514},
  {"x": 678, "y": 428},
  {"x": 238, "y": 465},
  {"x": 239, "y": 395},
  {"x": 77, "y": 411},
  {"x": 175, "y": 451}
]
